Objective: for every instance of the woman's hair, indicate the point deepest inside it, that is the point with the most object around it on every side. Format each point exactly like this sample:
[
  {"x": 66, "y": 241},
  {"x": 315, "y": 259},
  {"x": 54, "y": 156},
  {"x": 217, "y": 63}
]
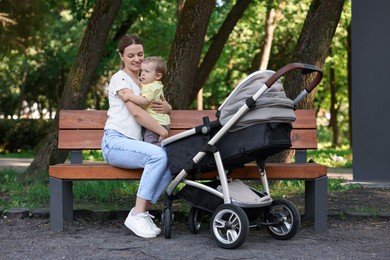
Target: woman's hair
[{"x": 127, "y": 40}]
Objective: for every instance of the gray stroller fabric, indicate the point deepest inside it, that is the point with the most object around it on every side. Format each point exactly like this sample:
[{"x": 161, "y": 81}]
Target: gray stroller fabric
[
  {"x": 242, "y": 193},
  {"x": 272, "y": 106}
]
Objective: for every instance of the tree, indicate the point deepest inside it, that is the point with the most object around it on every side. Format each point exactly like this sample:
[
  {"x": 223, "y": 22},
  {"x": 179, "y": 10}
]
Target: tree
[
  {"x": 183, "y": 83},
  {"x": 273, "y": 17},
  {"x": 185, "y": 52},
  {"x": 218, "y": 43},
  {"x": 79, "y": 81},
  {"x": 334, "y": 104},
  {"x": 313, "y": 44},
  {"x": 5, "y": 21},
  {"x": 312, "y": 48},
  {"x": 18, "y": 33}
]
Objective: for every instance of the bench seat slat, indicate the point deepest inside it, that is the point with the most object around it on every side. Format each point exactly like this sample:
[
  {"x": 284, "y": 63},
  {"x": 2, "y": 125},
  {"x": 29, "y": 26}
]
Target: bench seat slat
[
  {"x": 102, "y": 171},
  {"x": 98, "y": 171}
]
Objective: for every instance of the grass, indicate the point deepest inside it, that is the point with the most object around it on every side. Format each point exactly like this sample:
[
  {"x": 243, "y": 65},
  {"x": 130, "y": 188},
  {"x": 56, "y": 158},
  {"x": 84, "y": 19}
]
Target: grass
[
  {"x": 105, "y": 195},
  {"x": 369, "y": 210},
  {"x": 110, "y": 195},
  {"x": 332, "y": 157},
  {"x": 24, "y": 154}
]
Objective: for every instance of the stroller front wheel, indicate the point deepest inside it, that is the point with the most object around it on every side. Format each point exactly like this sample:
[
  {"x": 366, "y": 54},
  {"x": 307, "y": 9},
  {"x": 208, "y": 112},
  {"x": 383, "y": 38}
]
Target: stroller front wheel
[
  {"x": 229, "y": 226},
  {"x": 167, "y": 219}
]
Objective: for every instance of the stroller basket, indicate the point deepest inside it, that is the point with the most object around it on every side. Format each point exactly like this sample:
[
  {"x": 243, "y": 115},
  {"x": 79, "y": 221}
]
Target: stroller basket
[
  {"x": 209, "y": 202},
  {"x": 256, "y": 142}
]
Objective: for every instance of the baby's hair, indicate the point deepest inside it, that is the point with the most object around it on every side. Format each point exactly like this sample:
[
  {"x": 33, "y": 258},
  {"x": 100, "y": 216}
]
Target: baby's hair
[{"x": 161, "y": 66}]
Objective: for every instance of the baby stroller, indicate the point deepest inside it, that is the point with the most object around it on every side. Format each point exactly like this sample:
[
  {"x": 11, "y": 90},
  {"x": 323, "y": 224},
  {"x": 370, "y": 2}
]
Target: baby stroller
[{"x": 252, "y": 124}]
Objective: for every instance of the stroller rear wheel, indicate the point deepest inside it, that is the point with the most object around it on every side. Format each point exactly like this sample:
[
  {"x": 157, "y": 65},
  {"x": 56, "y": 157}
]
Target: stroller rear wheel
[
  {"x": 285, "y": 219},
  {"x": 229, "y": 226},
  {"x": 194, "y": 220}
]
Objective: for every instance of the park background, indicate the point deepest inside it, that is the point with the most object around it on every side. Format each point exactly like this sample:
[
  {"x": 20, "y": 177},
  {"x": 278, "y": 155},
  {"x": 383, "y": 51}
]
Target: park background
[
  {"x": 43, "y": 41},
  {"x": 61, "y": 54}
]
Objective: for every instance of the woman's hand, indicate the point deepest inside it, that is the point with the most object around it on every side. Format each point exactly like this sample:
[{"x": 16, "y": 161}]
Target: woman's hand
[{"x": 161, "y": 107}]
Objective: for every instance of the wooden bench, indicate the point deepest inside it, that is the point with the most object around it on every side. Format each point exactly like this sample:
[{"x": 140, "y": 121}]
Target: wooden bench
[{"x": 83, "y": 129}]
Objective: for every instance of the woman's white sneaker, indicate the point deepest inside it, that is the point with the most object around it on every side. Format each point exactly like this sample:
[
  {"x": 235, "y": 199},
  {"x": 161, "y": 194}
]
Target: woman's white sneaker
[
  {"x": 140, "y": 225},
  {"x": 152, "y": 224}
]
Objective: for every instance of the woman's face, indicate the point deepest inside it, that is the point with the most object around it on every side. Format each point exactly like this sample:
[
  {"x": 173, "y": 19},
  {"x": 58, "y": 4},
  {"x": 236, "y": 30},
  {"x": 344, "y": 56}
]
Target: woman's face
[{"x": 132, "y": 57}]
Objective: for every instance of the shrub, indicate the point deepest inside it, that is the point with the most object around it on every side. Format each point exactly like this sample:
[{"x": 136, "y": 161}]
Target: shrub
[{"x": 22, "y": 134}]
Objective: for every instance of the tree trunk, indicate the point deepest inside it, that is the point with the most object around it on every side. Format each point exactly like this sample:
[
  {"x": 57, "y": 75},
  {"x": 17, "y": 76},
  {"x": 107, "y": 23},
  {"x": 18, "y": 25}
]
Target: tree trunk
[
  {"x": 22, "y": 89},
  {"x": 312, "y": 48},
  {"x": 185, "y": 53},
  {"x": 79, "y": 81},
  {"x": 273, "y": 17},
  {"x": 313, "y": 44},
  {"x": 179, "y": 11},
  {"x": 219, "y": 41},
  {"x": 333, "y": 107}
]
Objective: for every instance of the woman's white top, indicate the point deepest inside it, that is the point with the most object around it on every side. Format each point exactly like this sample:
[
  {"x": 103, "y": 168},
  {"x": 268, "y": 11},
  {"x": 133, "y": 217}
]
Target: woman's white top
[{"x": 119, "y": 117}]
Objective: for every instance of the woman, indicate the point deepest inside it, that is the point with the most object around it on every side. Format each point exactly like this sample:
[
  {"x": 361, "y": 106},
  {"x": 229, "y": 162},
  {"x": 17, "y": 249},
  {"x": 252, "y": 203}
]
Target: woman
[{"x": 122, "y": 144}]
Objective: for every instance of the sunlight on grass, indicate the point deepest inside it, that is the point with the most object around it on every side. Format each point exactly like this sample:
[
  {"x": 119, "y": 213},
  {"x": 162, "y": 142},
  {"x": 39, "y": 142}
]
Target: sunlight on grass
[{"x": 332, "y": 157}]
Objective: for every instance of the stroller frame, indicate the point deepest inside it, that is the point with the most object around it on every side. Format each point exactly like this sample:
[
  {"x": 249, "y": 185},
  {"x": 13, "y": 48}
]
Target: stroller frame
[{"x": 237, "y": 224}]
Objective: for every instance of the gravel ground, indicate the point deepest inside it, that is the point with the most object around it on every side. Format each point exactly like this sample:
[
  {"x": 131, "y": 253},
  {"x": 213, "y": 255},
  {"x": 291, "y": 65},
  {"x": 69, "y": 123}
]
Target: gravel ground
[
  {"x": 358, "y": 228},
  {"x": 344, "y": 239}
]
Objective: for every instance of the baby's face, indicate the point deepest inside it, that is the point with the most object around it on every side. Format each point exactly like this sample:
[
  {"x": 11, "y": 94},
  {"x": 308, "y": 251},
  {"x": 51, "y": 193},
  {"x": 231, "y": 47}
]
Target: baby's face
[{"x": 148, "y": 73}]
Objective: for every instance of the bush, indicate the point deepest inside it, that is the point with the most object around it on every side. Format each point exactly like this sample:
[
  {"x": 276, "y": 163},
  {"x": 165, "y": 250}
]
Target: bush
[{"x": 22, "y": 134}]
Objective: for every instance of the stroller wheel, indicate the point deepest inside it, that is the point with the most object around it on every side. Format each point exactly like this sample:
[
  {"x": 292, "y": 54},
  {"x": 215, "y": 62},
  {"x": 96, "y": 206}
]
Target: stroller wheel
[
  {"x": 285, "y": 219},
  {"x": 229, "y": 226},
  {"x": 167, "y": 221},
  {"x": 194, "y": 220}
]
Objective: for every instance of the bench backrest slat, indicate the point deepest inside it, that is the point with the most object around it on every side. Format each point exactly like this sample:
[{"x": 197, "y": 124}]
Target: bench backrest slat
[
  {"x": 83, "y": 129},
  {"x": 75, "y": 139},
  {"x": 82, "y": 119}
]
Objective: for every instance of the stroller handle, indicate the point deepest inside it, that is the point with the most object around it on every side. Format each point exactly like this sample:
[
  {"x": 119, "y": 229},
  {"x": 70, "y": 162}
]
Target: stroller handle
[{"x": 306, "y": 69}]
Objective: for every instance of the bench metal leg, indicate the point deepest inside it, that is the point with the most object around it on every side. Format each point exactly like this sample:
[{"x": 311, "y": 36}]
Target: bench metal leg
[
  {"x": 316, "y": 202},
  {"x": 61, "y": 203}
]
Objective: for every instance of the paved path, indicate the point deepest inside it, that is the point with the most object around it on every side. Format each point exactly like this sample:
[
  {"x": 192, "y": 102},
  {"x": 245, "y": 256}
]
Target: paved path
[{"x": 19, "y": 164}]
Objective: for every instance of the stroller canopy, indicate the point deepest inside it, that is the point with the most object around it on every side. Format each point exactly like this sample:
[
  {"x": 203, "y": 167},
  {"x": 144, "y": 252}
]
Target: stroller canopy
[{"x": 272, "y": 106}]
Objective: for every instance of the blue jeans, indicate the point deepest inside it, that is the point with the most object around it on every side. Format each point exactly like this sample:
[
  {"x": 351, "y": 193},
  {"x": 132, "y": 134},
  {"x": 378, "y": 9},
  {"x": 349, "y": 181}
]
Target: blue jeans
[{"x": 123, "y": 152}]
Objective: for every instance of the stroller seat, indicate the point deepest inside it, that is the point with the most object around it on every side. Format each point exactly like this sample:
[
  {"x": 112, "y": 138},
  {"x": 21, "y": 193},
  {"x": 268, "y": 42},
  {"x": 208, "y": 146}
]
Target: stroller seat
[{"x": 261, "y": 132}]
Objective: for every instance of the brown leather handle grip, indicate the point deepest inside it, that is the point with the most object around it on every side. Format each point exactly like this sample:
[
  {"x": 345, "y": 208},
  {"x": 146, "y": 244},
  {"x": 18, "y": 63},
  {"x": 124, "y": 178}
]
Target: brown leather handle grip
[{"x": 305, "y": 69}]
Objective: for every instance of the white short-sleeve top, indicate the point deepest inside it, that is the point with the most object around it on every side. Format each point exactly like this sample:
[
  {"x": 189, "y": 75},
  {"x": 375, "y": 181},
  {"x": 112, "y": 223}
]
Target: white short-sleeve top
[{"x": 119, "y": 117}]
